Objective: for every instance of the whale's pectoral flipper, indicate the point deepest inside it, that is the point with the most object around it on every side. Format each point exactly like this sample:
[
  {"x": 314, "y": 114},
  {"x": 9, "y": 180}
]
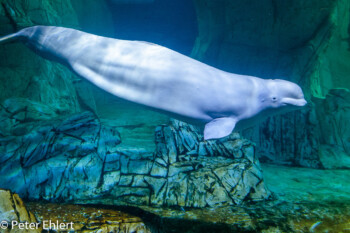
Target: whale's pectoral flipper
[{"x": 219, "y": 127}]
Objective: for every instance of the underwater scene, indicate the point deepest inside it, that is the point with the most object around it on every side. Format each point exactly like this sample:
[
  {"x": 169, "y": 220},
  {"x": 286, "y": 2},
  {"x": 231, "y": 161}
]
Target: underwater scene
[{"x": 155, "y": 116}]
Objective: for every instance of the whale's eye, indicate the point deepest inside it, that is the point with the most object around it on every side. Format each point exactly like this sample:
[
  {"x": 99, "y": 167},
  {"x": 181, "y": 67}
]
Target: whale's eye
[{"x": 274, "y": 99}]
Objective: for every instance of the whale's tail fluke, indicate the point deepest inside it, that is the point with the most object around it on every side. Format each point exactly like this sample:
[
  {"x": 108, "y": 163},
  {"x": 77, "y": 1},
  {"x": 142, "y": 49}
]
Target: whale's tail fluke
[{"x": 8, "y": 38}]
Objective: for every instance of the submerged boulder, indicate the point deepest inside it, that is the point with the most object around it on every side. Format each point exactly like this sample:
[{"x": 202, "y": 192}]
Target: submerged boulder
[
  {"x": 207, "y": 173},
  {"x": 316, "y": 137},
  {"x": 77, "y": 159},
  {"x": 289, "y": 139},
  {"x": 333, "y": 114},
  {"x": 13, "y": 210}
]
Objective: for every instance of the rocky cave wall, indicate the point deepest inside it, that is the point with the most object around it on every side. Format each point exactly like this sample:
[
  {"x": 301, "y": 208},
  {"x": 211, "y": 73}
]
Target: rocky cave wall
[
  {"x": 26, "y": 75},
  {"x": 332, "y": 68},
  {"x": 268, "y": 39},
  {"x": 306, "y": 42}
]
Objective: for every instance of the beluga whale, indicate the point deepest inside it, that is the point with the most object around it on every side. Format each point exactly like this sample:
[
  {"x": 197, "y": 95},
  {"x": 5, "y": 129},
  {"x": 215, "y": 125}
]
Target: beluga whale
[{"x": 163, "y": 79}]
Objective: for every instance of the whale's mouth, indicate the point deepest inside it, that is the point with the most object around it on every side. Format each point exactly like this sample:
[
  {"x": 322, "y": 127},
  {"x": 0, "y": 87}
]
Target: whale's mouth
[{"x": 296, "y": 102}]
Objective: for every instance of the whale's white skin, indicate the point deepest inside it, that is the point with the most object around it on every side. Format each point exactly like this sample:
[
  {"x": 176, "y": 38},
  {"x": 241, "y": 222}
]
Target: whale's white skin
[{"x": 162, "y": 79}]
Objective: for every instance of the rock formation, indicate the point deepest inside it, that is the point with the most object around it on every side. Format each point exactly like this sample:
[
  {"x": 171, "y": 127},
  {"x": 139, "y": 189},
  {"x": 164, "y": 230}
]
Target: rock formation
[
  {"x": 76, "y": 159},
  {"x": 12, "y": 209},
  {"x": 87, "y": 218},
  {"x": 28, "y": 75},
  {"x": 316, "y": 137},
  {"x": 302, "y": 41},
  {"x": 333, "y": 114},
  {"x": 289, "y": 139}
]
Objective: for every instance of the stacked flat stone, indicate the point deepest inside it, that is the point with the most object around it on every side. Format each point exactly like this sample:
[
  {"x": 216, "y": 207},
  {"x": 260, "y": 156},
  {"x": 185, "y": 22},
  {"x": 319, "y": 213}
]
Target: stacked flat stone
[{"x": 77, "y": 159}]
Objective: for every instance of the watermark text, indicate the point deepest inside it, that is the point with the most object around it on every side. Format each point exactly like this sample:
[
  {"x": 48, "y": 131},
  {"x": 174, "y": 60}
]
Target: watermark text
[{"x": 45, "y": 225}]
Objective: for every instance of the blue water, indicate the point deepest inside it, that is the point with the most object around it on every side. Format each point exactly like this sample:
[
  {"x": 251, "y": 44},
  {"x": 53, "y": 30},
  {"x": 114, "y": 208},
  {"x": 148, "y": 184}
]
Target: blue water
[{"x": 170, "y": 23}]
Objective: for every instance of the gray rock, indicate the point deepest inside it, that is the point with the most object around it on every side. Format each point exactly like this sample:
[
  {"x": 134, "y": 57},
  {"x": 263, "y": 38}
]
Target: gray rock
[
  {"x": 158, "y": 189},
  {"x": 124, "y": 161},
  {"x": 177, "y": 168},
  {"x": 129, "y": 195},
  {"x": 125, "y": 180},
  {"x": 12, "y": 208},
  {"x": 208, "y": 180},
  {"x": 78, "y": 159},
  {"x": 333, "y": 113},
  {"x": 141, "y": 167},
  {"x": 334, "y": 157},
  {"x": 30, "y": 77},
  {"x": 317, "y": 137},
  {"x": 159, "y": 170},
  {"x": 139, "y": 181},
  {"x": 112, "y": 162},
  {"x": 110, "y": 179}
]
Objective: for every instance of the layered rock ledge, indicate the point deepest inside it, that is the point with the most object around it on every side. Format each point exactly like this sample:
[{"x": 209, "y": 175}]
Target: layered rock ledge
[{"x": 77, "y": 159}]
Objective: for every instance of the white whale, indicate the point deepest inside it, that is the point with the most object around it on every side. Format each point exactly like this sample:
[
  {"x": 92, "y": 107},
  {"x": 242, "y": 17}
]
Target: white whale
[{"x": 163, "y": 79}]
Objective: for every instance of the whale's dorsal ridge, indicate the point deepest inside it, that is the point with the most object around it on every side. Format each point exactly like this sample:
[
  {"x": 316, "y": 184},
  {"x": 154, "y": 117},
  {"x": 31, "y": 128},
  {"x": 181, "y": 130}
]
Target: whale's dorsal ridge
[
  {"x": 219, "y": 127},
  {"x": 146, "y": 42}
]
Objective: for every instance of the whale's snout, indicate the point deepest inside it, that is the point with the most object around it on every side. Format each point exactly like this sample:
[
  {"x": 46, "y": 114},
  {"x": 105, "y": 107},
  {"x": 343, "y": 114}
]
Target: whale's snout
[
  {"x": 302, "y": 102},
  {"x": 296, "y": 102}
]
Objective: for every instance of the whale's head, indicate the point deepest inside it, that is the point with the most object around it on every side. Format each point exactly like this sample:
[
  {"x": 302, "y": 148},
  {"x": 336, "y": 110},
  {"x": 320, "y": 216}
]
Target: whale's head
[{"x": 284, "y": 93}]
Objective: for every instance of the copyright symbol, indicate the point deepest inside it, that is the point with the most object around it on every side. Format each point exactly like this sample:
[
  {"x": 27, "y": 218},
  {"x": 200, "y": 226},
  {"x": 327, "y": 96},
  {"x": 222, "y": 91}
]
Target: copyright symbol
[{"x": 4, "y": 225}]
